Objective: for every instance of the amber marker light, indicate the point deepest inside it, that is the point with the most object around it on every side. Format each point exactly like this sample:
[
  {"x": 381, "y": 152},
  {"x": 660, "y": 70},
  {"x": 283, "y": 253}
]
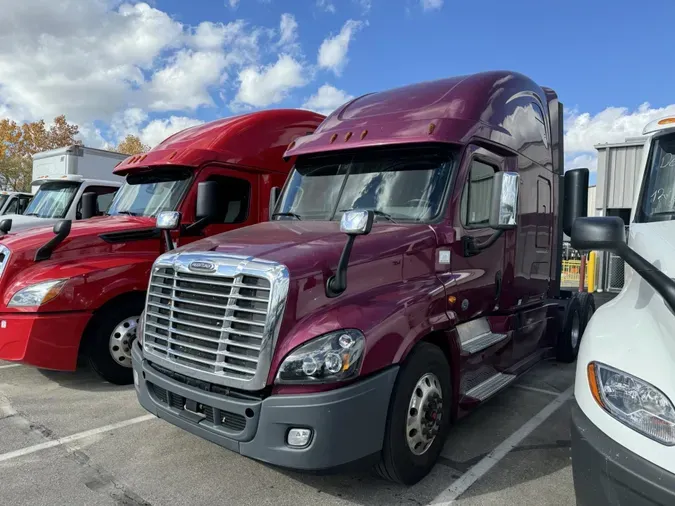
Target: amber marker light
[{"x": 593, "y": 383}]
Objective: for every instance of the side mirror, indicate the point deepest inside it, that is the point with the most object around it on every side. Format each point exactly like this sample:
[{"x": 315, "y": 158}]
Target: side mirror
[
  {"x": 598, "y": 233},
  {"x": 88, "y": 205},
  {"x": 504, "y": 205},
  {"x": 61, "y": 231},
  {"x": 5, "y": 225},
  {"x": 575, "y": 202},
  {"x": 274, "y": 196},
  {"x": 207, "y": 200},
  {"x": 357, "y": 222},
  {"x": 353, "y": 223},
  {"x": 166, "y": 222},
  {"x": 608, "y": 233}
]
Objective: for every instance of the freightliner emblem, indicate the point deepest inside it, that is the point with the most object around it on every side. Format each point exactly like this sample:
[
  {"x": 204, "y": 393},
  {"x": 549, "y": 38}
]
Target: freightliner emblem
[{"x": 202, "y": 266}]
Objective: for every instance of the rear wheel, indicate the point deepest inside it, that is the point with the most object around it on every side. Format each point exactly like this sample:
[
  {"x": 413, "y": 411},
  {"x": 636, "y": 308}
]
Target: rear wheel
[
  {"x": 109, "y": 341},
  {"x": 570, "y": 337},
  {"x": 419, "y": 416}
]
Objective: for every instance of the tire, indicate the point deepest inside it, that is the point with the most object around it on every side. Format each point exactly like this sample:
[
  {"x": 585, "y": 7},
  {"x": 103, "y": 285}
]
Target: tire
[
  {"x": 107, "y": 324},
  {"x": 569, "y": 338},
  {"x": 398, "y": 462},
  {"x": 587, "y": 303}
]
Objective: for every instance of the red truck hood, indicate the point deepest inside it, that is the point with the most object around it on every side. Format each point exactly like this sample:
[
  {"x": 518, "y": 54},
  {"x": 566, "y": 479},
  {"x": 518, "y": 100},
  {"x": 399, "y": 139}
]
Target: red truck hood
[{"x": 83, "y": 234}]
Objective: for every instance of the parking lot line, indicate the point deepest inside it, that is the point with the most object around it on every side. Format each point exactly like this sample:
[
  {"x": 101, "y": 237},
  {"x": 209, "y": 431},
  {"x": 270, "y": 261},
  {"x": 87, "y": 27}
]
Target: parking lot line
[
  {"x": 462, "y": 484},
  {"x": 9, "y": 365},
  {"x": 73, "y": 437},
  {"x": 535, "y": 389}
]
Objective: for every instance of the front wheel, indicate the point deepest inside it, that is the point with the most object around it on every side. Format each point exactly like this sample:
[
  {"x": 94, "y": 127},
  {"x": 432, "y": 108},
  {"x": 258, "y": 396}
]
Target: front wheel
[
  {"x": 419, "y": 416},
  {"x": 109, "y": 342}
]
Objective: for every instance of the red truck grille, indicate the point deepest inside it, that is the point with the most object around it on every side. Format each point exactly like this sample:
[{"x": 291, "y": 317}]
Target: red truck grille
[{"x": 209, "y": 323}]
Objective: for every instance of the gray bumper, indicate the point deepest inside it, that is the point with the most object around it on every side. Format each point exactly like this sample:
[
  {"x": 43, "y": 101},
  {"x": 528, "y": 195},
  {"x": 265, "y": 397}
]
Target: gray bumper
[
  {"x": 347, "y": 423},
  {"x": 606, "y": 473}
]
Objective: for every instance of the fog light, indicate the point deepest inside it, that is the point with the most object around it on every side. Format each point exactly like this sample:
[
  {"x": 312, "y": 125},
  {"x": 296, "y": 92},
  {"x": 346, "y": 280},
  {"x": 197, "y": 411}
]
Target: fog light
[
  {"x": 136, "y": 381},
  {"x": 298, "y": 437}
]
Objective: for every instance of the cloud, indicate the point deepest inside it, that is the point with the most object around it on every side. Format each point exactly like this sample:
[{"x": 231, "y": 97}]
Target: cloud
[
  {"x": 430, "y": 5},
  {"x": 288, "y": 34},
  {"x": 185, "y": 82},
  {"x": 233, "y": 3},
  {"x": 159, "y": 129},
  {"x": 365, "y": 5},
  {"x": 326, "y": 5},
  {"x": 326, "y": 99},
  {"x": 612, "y": 125},
  {"x": 263, "y": 86},
  {"x": 333, "y": 50}
]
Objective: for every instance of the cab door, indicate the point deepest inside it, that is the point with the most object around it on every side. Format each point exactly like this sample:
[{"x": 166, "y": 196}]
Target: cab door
[
  {"x": 238, "y": 202},
  {"x": 478, "y": 274}
]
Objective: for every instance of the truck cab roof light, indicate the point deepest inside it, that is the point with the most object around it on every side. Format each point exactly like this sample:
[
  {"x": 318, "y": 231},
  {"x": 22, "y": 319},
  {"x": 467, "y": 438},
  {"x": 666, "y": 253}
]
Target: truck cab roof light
[{"x": 659, "y": 124}]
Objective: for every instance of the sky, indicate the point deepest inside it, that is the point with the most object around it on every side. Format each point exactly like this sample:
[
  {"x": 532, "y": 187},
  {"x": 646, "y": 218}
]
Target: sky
[{"x": 153, "y": 68}]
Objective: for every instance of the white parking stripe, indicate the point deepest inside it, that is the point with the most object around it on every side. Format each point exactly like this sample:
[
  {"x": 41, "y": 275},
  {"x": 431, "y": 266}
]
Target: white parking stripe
[
  {"x": 74, "y": 437},
  {"x": 9, "y": 365},
  {"x": 535, "y": 389},
  {"x": 462, "y": 484}
]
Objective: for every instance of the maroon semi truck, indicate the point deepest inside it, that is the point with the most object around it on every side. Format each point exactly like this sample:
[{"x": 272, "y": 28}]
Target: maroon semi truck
[{"x": 411, "y": 270}]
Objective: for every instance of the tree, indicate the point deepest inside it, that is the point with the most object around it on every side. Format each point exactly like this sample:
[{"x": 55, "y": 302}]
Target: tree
[
  {"x": 18, "y": 142},
  {"x": 132, "y": 145}
]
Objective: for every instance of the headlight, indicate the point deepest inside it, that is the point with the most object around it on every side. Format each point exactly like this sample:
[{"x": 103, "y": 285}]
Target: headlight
[
  {"x": 336, "y": 356},
  {"x": 37, "y": 294},
  {"x": 634, "y": 402}
]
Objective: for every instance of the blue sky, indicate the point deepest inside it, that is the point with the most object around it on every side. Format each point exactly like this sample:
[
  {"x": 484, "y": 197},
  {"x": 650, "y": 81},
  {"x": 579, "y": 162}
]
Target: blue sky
[{"x": 154, "y": 68}]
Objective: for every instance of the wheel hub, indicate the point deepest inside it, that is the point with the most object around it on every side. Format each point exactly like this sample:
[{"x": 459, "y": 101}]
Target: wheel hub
[
  {"x": 121, "y": 339},
  {"x": 424, "y": 414}
]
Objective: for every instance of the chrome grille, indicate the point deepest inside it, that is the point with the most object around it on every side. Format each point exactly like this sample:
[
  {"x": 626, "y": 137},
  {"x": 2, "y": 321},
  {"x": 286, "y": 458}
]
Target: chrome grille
[{"x": 217, "y": 324}]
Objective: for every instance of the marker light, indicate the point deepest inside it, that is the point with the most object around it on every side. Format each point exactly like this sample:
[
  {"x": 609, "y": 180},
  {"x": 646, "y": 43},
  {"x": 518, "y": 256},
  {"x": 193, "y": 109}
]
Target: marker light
[{"x": 660, "y": 124}]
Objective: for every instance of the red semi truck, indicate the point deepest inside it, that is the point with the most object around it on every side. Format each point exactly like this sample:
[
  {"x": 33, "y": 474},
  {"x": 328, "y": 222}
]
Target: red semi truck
[
  {"x": 81, "y": 288},
  {"x": 410, "y": 271}
]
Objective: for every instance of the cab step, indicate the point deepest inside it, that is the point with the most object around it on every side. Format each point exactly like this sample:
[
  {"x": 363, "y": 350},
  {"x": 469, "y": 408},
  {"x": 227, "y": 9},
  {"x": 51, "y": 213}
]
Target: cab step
[
  {"x": 490, "y": 386},
  {"x": 476, "y": 335}
]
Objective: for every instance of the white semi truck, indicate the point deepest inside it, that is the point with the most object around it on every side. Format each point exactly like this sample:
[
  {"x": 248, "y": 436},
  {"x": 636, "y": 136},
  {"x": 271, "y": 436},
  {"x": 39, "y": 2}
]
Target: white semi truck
[
  {"x": 60, "y": 179},
  {"x": 623, "y": 416},
  {"x": 14, "y": 202}
]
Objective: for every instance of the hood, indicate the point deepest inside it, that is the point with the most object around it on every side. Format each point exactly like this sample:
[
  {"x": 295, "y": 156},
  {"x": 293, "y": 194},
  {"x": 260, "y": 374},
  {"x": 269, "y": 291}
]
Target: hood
[
  {"x": 313, "y": 247},
  {"x": 81, "y": 233},
  {"x": 21, "y": 222}
]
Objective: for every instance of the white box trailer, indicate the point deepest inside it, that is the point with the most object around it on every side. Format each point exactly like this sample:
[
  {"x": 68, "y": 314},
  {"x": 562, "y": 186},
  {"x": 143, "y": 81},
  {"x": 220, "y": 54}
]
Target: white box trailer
[
  {"x": 90, "y": 163},
  {"x": 60, "y": 178}
]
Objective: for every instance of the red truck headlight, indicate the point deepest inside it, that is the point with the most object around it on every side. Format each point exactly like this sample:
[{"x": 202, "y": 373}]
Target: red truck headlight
[
  {"x": 336, "y": 356},
  {"x": 37, "y": 294}
]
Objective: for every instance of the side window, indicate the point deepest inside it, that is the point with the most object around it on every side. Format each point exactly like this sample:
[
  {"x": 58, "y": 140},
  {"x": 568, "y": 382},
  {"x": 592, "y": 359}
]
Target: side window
[
  {"x": 477, "y": 195},
  {"x": 105, "y": 195},
  {"x": 13, "y": 207},
  {"x": 23, "y": 203},
  {"x": 234, "y": 196}
]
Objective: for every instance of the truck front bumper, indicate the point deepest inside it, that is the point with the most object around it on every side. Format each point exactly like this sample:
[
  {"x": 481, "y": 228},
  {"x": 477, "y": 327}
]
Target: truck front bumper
[
  {"x": 606, "y": 473},
  {"x": 347, "y": 424},
  {"x": 46, "y": 340}
]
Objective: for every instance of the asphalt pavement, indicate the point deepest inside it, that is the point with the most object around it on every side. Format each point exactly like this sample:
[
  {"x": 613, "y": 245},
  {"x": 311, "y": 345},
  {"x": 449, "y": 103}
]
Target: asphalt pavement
[{"x": 71, "y": 439}]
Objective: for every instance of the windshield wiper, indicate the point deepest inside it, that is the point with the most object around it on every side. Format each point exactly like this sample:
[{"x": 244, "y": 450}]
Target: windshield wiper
[
  {"x": 31, "y": 214},
  {"x": 376, "y": 212},
  {"x": 128, "y": 213},
  {"x": 292, "y": 215}
]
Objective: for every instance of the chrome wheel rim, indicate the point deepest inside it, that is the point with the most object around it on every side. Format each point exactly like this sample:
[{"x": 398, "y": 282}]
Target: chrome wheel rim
[
  {"x": 121, "y": 339},
  {"x": 575, "y": 333},
  {"x": 424, "y": 414}
]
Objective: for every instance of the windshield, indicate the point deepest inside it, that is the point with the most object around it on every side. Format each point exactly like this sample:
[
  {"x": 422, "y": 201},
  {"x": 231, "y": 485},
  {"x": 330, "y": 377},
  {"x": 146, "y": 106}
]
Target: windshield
[
  {"x": 52, "y": 200},
  {"x": 150, "y": 194},
  {"x": 658, "y": 194},
  {"x": 3, "y": 199},
  {"x": 400, "y": 184}
]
